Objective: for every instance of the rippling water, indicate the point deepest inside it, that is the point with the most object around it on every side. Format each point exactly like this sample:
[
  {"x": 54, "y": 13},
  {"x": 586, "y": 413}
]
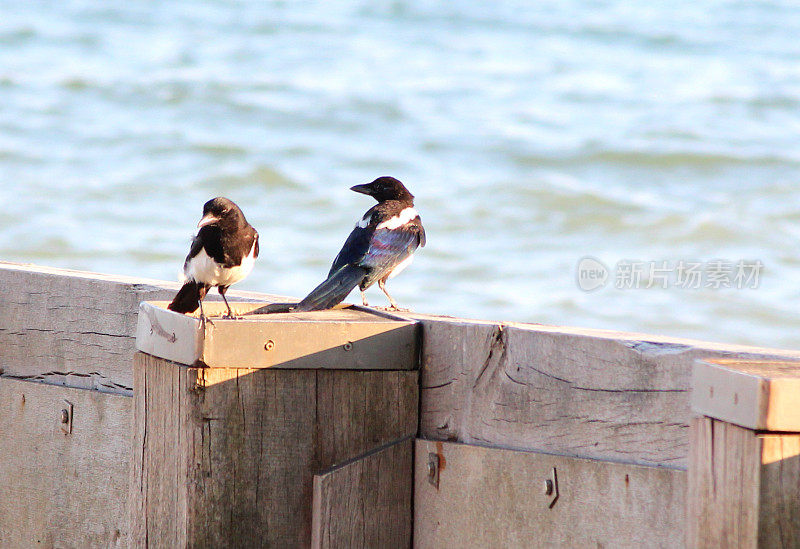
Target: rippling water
[{"x": 532, "y": 136}]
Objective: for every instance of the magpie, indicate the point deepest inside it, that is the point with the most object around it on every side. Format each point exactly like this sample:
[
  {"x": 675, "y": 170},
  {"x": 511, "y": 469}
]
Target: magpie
[
  {"x": 222, "y": 253},
  {"x": 381, "y": 245}
]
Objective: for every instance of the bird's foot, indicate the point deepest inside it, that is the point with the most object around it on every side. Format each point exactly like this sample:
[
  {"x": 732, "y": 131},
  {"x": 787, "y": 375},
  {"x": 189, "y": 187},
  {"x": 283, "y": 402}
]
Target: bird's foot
[{"x": 205, "y": 320}]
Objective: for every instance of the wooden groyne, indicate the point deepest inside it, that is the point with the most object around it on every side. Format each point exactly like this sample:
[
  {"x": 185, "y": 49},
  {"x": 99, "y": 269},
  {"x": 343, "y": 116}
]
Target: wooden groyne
[{"x": 522, "y": 435}]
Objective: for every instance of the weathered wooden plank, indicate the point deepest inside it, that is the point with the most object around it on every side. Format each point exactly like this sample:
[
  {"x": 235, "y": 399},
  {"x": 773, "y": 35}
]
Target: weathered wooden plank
[
  {"x": 759, "y": 395},
  {"x": 228, "y": 455},
  {"x": 62, "y": 489},
  {"x": 74, "y": 328},
  {"x": 365, "y": 502},
  {"x": 744, "y": 487},
  {"x": 342, "y": 338},
  {"x": 490, "y": 497},
  {"x": 584, "y": 393}
]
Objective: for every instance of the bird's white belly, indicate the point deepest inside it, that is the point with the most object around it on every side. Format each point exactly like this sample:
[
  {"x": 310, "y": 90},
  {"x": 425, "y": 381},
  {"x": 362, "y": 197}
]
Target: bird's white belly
[
  {"x": 402, "y": 265},
  {"x": 202, "y": 268}
]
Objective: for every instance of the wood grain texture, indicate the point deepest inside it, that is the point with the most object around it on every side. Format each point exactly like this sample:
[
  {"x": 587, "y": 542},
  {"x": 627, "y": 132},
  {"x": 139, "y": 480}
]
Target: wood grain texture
[
  {"x": 343, "y": 338},
  {"x": 744, "y": 487},
  {"x": 58, "y": 489},
  {"x": 491, "y": 497},
  {"x": 365, "y": 502},
  {"x": 760, "y": 395},
  {"x": 227, "y": 456},
  {"x": 584, "y": 393},
  {"x": 74, "y": 328}
]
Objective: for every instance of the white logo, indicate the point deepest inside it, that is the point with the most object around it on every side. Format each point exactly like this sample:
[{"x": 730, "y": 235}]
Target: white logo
[{"x": 592, "y": 274}]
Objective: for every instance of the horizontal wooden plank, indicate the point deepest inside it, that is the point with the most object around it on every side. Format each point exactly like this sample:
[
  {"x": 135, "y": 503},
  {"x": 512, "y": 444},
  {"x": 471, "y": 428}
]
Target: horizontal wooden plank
[
  {"x": 75, "y": 328},
  {"x": 760, "y": 395},
  {"x": 490, "y": 497},
  {"x": 585, "y": 393},
  {"x": 365, "y": 502},
  {"x": 342, "y": 338},
  {"x": 63, "y": 489}
]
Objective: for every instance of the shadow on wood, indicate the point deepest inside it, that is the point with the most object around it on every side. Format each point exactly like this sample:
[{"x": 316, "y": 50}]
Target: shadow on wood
[
  {"x": 744, "y": 487},
  {"x": 226, "y": 457},
  {"x": 366, "y": 501}
]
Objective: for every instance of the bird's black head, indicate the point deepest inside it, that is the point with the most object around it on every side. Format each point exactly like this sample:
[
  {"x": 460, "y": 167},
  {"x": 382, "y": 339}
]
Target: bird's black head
[
  {"x": 223, "y": 213},
  {"x": 385, "y": 188}
]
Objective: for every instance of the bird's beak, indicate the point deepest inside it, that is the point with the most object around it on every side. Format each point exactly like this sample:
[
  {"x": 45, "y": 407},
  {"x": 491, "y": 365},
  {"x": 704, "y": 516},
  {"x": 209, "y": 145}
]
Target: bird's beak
[
  {"x": 363, "y": 189},
  {"x": 208, "y": 219}
]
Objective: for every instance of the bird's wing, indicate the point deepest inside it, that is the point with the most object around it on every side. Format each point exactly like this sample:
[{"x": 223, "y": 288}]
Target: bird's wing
[
  {"x": 389, "y": 247},
  {"x": 236, "y": 247},
  {"x": 355, "y": 247},
  {"x": 379, "y": 250},
  {"x": 197, "y": 245}
]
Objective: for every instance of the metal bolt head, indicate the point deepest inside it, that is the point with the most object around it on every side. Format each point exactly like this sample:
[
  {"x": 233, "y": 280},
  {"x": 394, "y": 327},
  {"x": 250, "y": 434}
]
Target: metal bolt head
[
  {"x": 269, "y": 345},
  {"x": 348, "y": 346},
  {"x": 433, "y": 469},
  {"x": 65, "y": 416},
  {"x": 548, "y": 487}
]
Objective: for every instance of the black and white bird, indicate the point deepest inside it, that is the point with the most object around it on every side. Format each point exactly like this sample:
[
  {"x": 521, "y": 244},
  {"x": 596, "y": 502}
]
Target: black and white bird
[
  {"x": 381, "y": 245},
  {"x": 223, "y": 253}
]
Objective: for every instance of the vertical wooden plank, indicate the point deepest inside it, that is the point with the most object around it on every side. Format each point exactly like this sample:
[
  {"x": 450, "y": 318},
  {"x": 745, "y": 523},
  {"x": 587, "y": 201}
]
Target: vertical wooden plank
[
  {"x": 158, "y": 465},
  {"x": 779, "y": 516},
  {"x": 744, "y": 487},
  {"x": 365, "y": 502},
  {"x": 137, "y": 481}
]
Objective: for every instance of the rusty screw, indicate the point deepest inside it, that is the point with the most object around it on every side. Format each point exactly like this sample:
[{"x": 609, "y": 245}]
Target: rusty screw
[
  {"x": 269, "y": 345},
  {"x": 64, "y": 416}
]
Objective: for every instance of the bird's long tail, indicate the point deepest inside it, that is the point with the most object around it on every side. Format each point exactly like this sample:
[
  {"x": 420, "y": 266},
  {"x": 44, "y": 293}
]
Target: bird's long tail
[
  {"x": 333, "y": 290},
  {"x": 188, "y": 298}
]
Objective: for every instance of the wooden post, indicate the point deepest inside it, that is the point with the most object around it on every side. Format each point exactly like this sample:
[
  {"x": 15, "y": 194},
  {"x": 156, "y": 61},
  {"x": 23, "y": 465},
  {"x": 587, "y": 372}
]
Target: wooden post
[
  {"x": 226, "y": 456},
  {"x": 744, "y": 463}
]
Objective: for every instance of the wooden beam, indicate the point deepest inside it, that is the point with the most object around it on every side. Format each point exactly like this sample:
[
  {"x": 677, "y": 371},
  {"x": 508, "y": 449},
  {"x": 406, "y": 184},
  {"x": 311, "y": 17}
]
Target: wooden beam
[
  {"x": 75, "y": 328},
  {"x": 490, "y": 497},
  {"x": 63, "y": 487},
  {"x": 585, "y": 393},
  {"x": 365, "y": 502},
  {"x": 341, "y": 338},
  {"x": 744, "y": 487},
  {"x": 224, "y": 456},
  {"x": 760, "y": 395}
]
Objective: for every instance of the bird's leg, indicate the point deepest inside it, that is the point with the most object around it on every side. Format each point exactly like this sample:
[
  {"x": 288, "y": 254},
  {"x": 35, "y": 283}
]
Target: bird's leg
[
  {"x": 382, "y": 286},
  {"x": 364, "y": 298},
  {"x": 222, "y": 290},
  {"x": 203, "y": 318}
]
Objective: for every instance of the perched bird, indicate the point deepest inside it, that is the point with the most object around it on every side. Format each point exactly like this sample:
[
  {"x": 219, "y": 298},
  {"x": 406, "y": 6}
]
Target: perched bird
[
  {"x": 381, "y": 245},
  {"x": 222, "y": 253}
]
